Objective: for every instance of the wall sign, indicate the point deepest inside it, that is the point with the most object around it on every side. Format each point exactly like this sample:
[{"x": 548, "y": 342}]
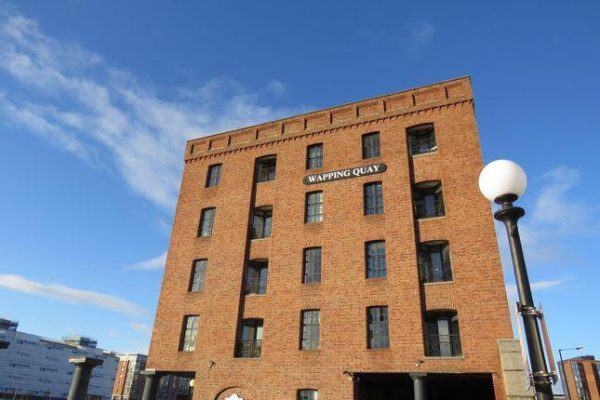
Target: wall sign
[{"x": 345, "y": 174}]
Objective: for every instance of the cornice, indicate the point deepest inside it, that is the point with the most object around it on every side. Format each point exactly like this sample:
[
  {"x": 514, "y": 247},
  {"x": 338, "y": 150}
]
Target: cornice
[{"x": 433, "y": 98}]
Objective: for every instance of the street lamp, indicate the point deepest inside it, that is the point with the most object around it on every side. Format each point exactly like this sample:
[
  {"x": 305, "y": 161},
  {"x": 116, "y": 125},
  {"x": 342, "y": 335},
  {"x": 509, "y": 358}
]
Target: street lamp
[
  {"x": 503, "y": 181},
  {"x": 564, "y": 372}
]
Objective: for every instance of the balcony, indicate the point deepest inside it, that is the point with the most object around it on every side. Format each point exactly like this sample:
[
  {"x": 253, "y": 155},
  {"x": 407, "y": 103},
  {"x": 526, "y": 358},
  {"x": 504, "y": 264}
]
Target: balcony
[
  {"x": 428, "y": 200},
  {"x": 248, "y": 349},
  {"x": 255, "y": 286},
  {"x": 436, "y": 272},
  {"x": 443, "y": 345}
]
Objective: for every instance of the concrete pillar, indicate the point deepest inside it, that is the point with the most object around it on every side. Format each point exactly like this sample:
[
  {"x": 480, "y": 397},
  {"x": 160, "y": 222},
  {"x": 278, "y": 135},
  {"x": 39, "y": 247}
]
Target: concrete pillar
[
  {"x": 151, "y": 384},
  {"x": 419, "y": 386},
  {"x": 81, "y": 376}
]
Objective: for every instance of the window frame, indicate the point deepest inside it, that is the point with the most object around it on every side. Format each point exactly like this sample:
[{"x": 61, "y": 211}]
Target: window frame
[
  {"x": 371, "y": 254},
  {"x": 210, "y": 178},
  {"x": 314, "y": 394},
  {"x": 414, "y": 132},
  {"x": 313, "y": 217},
  {"x": 372, "y": 200},
  {"x": 310, "y": 333},
  {"x": 310, "y": 158},
  {"x": 267, "y": 215},
  {"x": 371, "y": 145},
  {"x": 195, "y": 273},
  {"x": 186, "y": 345},
  {"x": 269, "y": 175},
  {"x": 373, "y": 342},
  {"x": 203, "y": 213},
  {"x": 314, "y": 274}
]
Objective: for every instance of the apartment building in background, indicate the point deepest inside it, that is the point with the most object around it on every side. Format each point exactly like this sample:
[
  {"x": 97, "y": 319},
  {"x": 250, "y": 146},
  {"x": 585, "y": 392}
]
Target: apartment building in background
[
  {"x": 35, "y": 368},
  {"x": 581, "y": 378},
  {"x": 345, "y": 253},
  {"x": 129, "y": 384}
]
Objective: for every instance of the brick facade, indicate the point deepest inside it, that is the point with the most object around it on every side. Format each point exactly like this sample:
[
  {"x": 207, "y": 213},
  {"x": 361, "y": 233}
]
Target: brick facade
[{"x": 343, "y": 295}]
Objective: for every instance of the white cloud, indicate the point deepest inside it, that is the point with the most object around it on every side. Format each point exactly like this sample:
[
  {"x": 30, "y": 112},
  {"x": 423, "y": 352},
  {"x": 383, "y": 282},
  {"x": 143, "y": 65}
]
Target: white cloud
[
  {"x": 276, "y": 87},
  {"x": 81, "y": 104},
  {"x": 141, "y": 327},
  {"x": 70, "y": 295},
  {"x": 511, "y": 289},
  {"x": 420, "y": 33},
  {"x": 153, "y": 263}
]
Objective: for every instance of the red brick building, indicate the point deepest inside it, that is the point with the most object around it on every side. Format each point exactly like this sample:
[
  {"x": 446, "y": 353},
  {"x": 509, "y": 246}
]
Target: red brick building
[
  {"x": 344, "y": 253},
  {"x": 581, "y": 378}
]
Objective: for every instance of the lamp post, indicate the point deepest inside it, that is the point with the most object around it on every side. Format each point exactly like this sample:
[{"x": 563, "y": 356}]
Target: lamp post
[
  {"x": 564, "y": 372},
  {"x": 503, "y": 181}
]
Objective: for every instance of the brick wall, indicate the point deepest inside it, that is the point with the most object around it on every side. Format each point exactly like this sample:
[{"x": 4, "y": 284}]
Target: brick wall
[{"x": 476, "y": 293}]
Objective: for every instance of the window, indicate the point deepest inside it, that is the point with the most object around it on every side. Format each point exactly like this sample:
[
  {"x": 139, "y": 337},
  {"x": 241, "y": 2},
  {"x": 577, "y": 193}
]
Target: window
[
  {"x": 442, "y": 334},
  {"x": 214, "y": 175},
  {"x": 190, "y": 331},
  {"x": 261, "y": 225},
  {"x": 428, "y": 199},
  {"x": 308, "y": 394},
  {"x": 198, "y": 275},
  {"x": 207, "y": 220},
  {"x": 379, "y": 337},
  {"x": 434, "y": 261},
  {"x": 314, "y": 156},
  {"x": 251, "y": 342},
  {"x": 265, "y": 168},
  {"x": 314, "y": 207},
  {"x": 421, "y": 139},
  {"x": 370, "y": 145},
  {"x": 311, "y": 328},
  {"x": 256, "y": 277},
  {"x": 373, "y": 195},
  {"x": 375, "y": 255},
  {"x": 312, "y": 265}
]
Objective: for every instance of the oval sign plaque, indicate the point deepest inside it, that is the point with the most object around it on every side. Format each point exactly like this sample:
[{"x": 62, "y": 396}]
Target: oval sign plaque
[{"x": 347, "y": 173}]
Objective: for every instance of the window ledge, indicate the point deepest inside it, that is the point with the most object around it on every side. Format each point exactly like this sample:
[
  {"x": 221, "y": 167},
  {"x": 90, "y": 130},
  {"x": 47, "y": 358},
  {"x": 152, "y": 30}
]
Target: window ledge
[
  {"x": 423, "y": 154},
  {"x": 255, "y": 295},
  {"x": 438, "y": 283},
  {"x": 260, "y": 239},
  {"x": 458, "y": 358},
  {"x": 431, "y": 218}
]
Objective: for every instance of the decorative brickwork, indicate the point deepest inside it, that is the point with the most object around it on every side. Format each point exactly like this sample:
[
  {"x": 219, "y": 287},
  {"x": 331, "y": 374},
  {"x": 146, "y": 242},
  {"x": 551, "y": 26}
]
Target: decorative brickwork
[{"x": 476, "y": 292}]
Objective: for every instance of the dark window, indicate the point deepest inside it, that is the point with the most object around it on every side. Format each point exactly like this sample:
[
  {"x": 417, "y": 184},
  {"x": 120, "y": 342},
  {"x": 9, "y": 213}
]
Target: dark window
[
  {"x": 261, "y": 226},
  {"x": 190, "y": 332},
  {"x": 314, "y": 207},
  {"x": 379, "y": 337},
  {"x": 428, "y": 199},
  {"x": 214, "y": 175},
  {"x": 265, "y": 168},
  {"x": 311, "y": 328},
  {"x": 256, "y": 277},
  {"x": 421, "y": 139},
  {"x": 370, "y": 145},
  {"x": 207, "y": 220},
  {"x": 198, "y": 275},
  {"x": 442, "y": 334},
  {"x": 312, "y": 265},
  {"x": 308, "y": 394},
  {"x": 375, "y": 255},
  {"x": 434, "y": 262},
  {"x": 314, "y": 156},
  {"x": 249, "y": 346},
  {"x": 373, "y": 194}
]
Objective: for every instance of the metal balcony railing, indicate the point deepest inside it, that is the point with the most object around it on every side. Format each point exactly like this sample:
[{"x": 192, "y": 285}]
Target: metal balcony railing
[
  {"x": 436, "y": 272},
  {"x": 443, "y": 345},
  {"x": 424, "y": 209},
  {"x": 248, "y": 348},
  {"x": 255, "y": 286},
  {"x": 422, "y": 144}
]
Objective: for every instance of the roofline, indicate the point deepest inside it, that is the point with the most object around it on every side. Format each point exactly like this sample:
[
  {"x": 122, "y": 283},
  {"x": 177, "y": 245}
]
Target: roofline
[{"x": 333, "y": 107}]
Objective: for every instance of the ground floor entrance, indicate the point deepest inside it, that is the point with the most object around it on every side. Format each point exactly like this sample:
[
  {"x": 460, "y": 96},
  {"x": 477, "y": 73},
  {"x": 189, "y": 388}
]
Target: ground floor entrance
[{"x": 397, "y": 386}]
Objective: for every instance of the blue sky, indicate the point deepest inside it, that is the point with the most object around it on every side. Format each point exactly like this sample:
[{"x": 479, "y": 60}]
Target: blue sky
[{"x": 97, "y": 99}]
